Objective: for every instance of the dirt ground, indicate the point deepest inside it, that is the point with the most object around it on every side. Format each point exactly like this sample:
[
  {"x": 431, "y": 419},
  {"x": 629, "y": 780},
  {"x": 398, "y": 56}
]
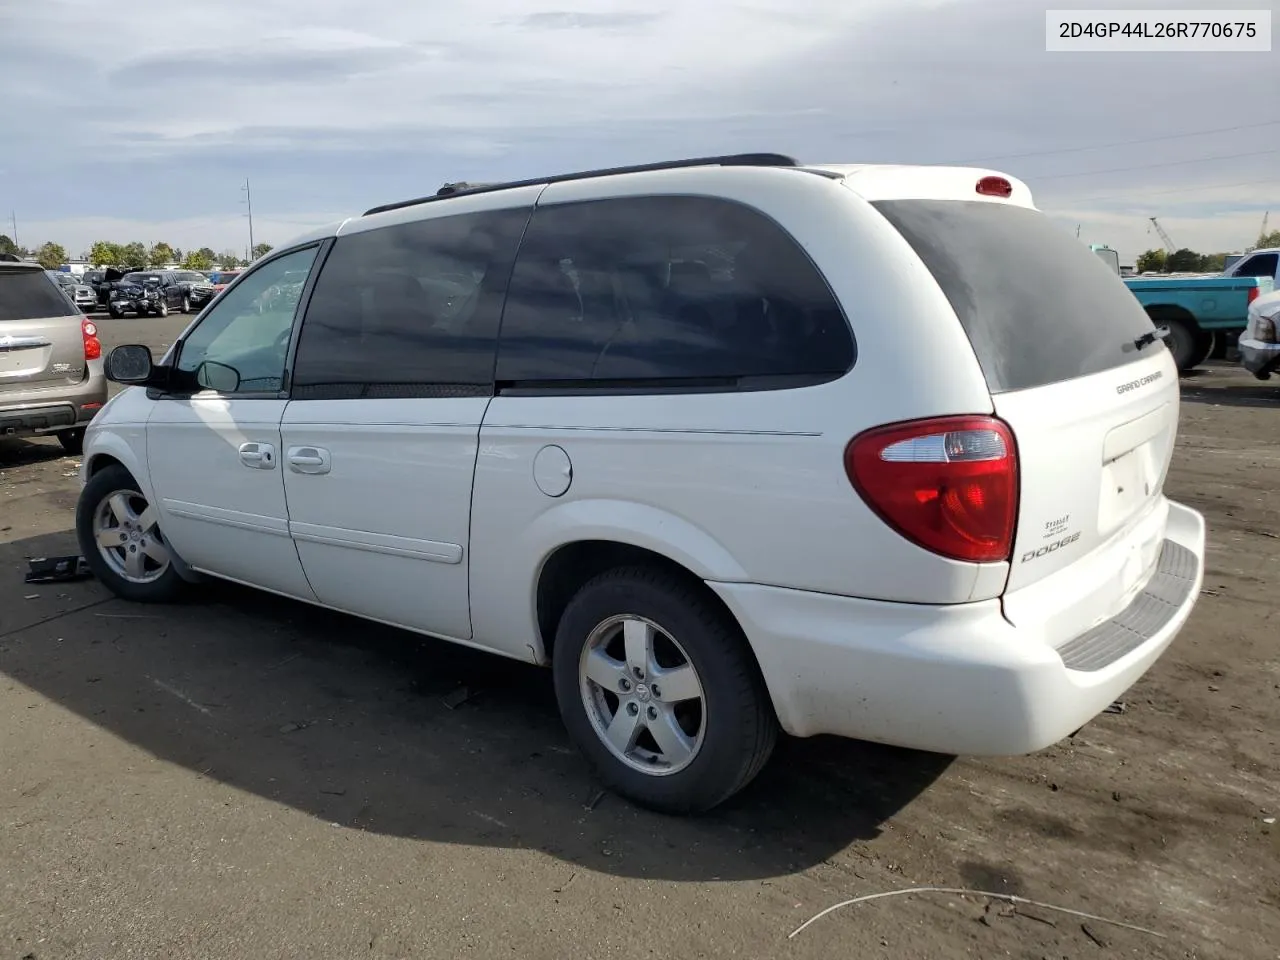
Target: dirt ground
[{"x": 242, "y": 776}]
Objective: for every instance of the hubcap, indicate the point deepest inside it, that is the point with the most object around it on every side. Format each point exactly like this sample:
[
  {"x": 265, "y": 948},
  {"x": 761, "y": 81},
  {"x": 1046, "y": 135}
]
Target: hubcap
[
  {"x": 124, "y": 528},
  {"x": 642, "y": 695}
]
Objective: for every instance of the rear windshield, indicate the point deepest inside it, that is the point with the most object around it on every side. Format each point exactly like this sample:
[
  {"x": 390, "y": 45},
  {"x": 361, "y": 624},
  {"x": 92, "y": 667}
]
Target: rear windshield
[
  {"x": 28, "y": 294},
  {"x": 1038, "y": 305}
]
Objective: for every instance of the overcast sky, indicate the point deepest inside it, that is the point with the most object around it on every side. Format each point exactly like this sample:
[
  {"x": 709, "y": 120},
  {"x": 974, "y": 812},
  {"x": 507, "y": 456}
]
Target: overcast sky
[{"x": 141, "y": 121}]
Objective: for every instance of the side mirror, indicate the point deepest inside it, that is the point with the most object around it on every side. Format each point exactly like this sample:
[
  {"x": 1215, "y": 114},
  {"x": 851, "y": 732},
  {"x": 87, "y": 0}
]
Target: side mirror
[
  {"x": 130, "y": 364},
  {"x": 212, "y": 375}
]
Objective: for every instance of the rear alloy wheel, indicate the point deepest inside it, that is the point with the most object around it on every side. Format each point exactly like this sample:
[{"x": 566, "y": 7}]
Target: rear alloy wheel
[
  {"x": 72, "y": 441},
  {"x": 658, "y": 689},
  {"x": 120, "y": 539}
]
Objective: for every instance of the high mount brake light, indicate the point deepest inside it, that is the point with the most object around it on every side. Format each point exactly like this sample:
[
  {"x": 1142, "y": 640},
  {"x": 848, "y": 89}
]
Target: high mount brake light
[
  {"x": 948, "y": 484},
  {"x": 995, "y": 187}
]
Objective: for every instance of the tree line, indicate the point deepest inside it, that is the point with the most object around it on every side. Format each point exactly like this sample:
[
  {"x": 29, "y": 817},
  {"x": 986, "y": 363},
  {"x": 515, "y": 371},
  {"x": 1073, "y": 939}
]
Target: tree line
[
  {"x": 1188, "y": 261},
  {"x": 135, "y": 256}
]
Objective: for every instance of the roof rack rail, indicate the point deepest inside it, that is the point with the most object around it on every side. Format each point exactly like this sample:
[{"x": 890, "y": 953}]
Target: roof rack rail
[{"x": 728, "y": 160}]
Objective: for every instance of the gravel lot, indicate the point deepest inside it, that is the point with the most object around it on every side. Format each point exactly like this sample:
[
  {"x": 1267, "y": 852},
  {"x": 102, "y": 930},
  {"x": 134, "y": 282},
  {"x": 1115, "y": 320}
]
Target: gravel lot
[{"x": 243, "y": 776}]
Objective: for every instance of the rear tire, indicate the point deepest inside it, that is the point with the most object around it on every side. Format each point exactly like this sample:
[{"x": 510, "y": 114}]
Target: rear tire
[
  {"x": 186, "y": 304},
  {"x": 72, "y": 441},
  {"x": 121, "y": 541},
  {"x": 625, "y": 634},
  {"x": 117, "y": 314}
]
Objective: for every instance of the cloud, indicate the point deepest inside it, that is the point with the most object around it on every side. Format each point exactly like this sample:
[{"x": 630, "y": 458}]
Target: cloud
[{"x": 328, "y": 106}]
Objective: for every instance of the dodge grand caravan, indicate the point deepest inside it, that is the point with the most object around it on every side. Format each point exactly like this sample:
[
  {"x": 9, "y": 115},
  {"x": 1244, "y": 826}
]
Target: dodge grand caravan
[{"x": 733, "y": 445}]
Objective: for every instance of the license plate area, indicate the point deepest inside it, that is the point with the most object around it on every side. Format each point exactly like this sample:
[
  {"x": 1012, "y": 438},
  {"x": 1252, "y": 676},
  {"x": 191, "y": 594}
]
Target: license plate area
[{"x": 1129, "y": 483}]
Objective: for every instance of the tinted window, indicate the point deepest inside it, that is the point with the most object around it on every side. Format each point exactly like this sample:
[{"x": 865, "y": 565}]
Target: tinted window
[
  {"x": 1037, "y": 305},
  {"x": 413, "y": 304},
  {"x": 1263, "y": 265},
  {"x": 247, "y": 329},
  {"x": 667, "y": 288},
  {"x": 28, "y": 294}
]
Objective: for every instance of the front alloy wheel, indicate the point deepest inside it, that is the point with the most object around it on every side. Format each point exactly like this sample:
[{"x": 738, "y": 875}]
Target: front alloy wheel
[
  {"x": 120, "y": 539},
  {"x": 128, "y": 540}
]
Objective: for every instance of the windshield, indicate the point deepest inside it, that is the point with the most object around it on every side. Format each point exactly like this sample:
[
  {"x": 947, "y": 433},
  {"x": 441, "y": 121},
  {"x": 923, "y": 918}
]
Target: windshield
[
  {"x": 66, "y": 279},
  {"x": 142, "y": 278},
  {"x": 1038, "y": 305}
]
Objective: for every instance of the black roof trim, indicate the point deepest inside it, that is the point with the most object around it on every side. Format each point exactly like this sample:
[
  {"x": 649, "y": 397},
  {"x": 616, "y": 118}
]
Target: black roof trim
[{"x": 728, "y": 160}]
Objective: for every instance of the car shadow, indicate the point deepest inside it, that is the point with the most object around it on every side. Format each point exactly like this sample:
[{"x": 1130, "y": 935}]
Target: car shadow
[
  {"x": 20, "y": 452},
  {"x": 376, "y": 729},
  {"x": 1252, "y": 393}
]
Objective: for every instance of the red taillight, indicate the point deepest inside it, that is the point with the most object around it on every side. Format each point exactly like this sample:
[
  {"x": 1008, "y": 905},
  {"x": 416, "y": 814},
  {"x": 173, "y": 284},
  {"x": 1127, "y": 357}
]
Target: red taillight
[
  {"x": 949, "y": 484},
  {"x": 92, "y": 345},
  {"x": 1253, "y": 294},
  {"x": 995, "y": 187}
]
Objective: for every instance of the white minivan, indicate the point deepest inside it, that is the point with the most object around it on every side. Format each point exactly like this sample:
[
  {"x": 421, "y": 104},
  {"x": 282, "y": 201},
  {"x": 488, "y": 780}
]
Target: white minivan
[{"x": 734, "y": 445}]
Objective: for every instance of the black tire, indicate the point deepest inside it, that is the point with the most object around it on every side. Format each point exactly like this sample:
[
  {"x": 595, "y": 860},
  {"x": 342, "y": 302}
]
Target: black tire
[
  {"x": 1184, "y": 344},
  {"x": 1206, "y": 344},
  {"x": 163, "y": 309},
  {"x": 72, "y": 441},
  {"x": 166, "y": 588},
  {"x": 115, "y": 312},
  {"x": 739, "y": 728},
  {"x": 186, "y": 304}
]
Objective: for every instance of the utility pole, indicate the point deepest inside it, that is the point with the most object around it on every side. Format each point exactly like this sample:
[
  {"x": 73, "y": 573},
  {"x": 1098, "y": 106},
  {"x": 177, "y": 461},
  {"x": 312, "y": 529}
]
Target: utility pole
[
  {"x": 248, "y": 199},
  {"x": 13, "y": 215}
]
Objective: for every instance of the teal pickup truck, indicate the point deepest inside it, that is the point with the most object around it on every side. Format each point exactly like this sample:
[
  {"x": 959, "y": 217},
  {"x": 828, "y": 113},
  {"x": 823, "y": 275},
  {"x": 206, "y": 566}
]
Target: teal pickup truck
[{"x": 1205, "y": 314}]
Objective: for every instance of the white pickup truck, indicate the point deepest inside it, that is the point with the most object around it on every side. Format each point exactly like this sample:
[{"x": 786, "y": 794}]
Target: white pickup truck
[{"x": 1256, "y": 263}]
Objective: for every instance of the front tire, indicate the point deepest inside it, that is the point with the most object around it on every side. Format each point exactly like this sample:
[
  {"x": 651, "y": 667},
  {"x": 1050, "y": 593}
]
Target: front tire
[
  {"x": 186, "y": 304},
  {"x": 163, "y": 309},
  {"x": 115, "y": 312},
  {"x": 658, "y": 689},
  {"x": 121, "y": 541}
]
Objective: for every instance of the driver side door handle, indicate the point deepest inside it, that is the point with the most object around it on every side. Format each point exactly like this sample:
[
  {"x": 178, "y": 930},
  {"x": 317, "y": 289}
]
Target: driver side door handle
[{"x": 258, "y": 456}]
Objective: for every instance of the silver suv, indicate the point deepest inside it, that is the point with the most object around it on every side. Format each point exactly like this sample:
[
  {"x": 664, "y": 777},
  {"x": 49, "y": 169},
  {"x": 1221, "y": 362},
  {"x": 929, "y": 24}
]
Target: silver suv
[{"x": 51, "y": 378}]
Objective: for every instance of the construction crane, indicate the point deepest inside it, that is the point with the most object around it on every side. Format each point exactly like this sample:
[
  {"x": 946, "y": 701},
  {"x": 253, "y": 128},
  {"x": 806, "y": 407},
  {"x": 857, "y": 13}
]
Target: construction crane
[{"x": 1164, "y": 236}]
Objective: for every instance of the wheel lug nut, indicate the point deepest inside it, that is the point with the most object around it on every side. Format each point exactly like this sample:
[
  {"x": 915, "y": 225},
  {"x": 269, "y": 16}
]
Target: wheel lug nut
[
  {"x": 638, "y": 672},
  {"x": 653, "y": 712},
  {"x": 632, "y": 709},
  {"x": 656, "y": 691}
]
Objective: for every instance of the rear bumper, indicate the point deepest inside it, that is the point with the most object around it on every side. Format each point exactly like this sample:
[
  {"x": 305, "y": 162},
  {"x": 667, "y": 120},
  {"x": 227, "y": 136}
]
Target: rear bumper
[
  {"x": 48, "y": 411},
  {"x": 958, "y": 679},
  {"x": 1260, "y": 359}
]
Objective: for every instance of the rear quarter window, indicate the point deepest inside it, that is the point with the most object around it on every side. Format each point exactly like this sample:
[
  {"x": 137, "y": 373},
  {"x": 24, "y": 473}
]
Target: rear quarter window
[
  {"x": 28, "y": 294},
  {"x": 667, "y": 293},
  {"x": 1038, "y": 306}
]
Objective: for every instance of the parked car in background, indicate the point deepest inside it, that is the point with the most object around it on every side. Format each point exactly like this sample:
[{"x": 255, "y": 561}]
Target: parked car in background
[
  {"x": 51, "y": 377},
  {"x": 143, "y": 292},
  {"x": 196, "y": 289},
  {"x": 1257, "y": 263},
  {"x": 81, "y": 294},
  {"x": 221, "y": 279},
  {"x": 1260, "y": 343},
  {"x": 1204, "y": 314},
  {"x": 695, "y": 470}
]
